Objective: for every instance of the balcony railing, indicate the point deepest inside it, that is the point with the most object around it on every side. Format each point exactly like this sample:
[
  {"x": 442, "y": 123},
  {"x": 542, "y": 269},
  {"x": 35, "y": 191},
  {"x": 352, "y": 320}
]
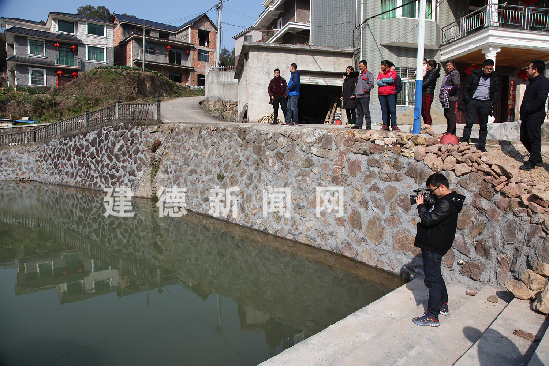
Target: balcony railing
[
  {"x": 503, "y": 16},
  {"x": 164, "y": 59},
  {"x": 68, "y": 61}
]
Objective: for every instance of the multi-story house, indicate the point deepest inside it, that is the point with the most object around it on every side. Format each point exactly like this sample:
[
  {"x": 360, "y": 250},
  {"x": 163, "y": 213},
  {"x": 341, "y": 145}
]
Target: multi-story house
[
  {"x": 182, "y": 54},
  {"x": 56, "y": 51},
  {"x": 286, "y": 22}
]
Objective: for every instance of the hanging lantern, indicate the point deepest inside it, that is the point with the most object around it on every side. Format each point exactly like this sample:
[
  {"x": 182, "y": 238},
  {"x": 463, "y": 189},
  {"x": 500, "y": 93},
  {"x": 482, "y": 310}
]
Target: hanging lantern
[
  {"x": 523, "y": 74},
  {"x": 188, "y": 51},
  {"x": 59, "y": 73},
  {"x": 75, "y": 74},
  {"x": 169, "y": 48},
  {"x": 57, "y": 45},
  {"x": 73, "y": 48},
  {"x": 529, "y": 2}
]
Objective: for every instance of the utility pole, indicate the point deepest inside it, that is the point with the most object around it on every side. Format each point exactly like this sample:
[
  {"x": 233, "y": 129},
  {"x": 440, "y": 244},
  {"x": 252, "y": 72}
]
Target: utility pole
[
  {"x": 218, "y": 38},
  {"x": 143, "y": 63},
  {"x": 419, "y": 71}
]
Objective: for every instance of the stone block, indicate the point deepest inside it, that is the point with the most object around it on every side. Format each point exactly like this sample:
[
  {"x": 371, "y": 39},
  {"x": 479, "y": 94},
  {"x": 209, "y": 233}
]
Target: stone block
[
  {"x": 448, "y": 259},
  {"x": 460, "y": 245},
  {"x": 418, "y": 172},
  {"x": 472, "y": 270},
  {"x": 449, "y": 163},
  {"x": 375, "y": 231},
  {"x": 483, "y": 249},
  {"x": 390, "y": 193},
  {"x": 434, "y": 162},
  {"x": 519, "y": 290},
  {"x": 542, "y": 301},
  {"x": 542, "y": 269},
  {"x": 534, "y": 281},
  {"x": 355, "y": 220},
  {"x": 477, "y": 229},
  {"x": 403, "y": 241},
  {"x": 363, "y": 148},
  {"x": 462, "y": 169}
]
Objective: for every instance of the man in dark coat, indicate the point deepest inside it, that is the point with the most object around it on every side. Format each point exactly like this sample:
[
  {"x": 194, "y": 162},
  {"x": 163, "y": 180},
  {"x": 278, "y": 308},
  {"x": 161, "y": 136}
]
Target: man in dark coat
[
  {"x": 278, "y": 95},
  {"x": 364, "y": 85},
  {"x": 480, "y": 95},
  {"x": 449, "y": 95},
  {"x": 532, "y": 113},
  {"x": 347, "y": 95},
  {"x": 435, "y": 235},
  {"x": 428, "y": 90}
]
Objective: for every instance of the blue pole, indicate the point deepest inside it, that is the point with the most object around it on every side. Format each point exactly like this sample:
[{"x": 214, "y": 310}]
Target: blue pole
[{"x": 419, "y": 72}]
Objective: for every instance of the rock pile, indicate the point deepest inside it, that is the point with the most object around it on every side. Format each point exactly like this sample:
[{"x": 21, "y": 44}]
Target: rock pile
[
  {"x": 533, "y": 286},
  {"x": 268, "y": 118},
  {"x": 461, "y": 159}
]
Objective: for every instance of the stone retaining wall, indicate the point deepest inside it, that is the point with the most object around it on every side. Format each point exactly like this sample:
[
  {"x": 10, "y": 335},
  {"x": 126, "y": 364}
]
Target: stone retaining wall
[{"x": 501, "y": 231}]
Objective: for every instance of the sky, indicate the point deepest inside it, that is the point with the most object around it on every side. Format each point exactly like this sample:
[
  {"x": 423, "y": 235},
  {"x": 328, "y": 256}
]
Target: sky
[{"x": 236, "y": 16}]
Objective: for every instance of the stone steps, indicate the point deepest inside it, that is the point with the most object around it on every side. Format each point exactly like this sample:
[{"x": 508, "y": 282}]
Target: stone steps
[{"x": 477, "y": 332}]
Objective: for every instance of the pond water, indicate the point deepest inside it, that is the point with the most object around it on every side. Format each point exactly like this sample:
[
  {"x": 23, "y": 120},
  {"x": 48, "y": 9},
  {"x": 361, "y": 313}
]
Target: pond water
[{"x": 80, "y": 288}]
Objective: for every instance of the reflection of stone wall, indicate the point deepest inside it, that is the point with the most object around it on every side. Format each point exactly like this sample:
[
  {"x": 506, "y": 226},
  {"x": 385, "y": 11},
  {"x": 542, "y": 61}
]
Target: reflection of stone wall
[
  {"x": 497, "y": 236},
  {"x": 206, "y": 258}
]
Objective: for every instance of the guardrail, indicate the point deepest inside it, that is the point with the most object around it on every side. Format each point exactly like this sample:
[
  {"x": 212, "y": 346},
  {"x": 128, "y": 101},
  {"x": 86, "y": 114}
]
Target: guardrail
[
  {"x": 140, "y": 112},
  {"x": 504, "y": 16}
]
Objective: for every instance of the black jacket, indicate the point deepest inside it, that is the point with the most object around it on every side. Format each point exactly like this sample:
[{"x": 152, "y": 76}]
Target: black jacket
[
  {"x": 471, "y": 85},
  {"x": 349, "y": 85},
  {"x": 430, "y": 80},
  {"x": 437, "y": 227},
  {"x": 535, "y": 96}
]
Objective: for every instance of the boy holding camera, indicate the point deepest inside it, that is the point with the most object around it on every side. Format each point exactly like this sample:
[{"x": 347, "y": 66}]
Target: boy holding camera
[{"x": 435, "y": 234}]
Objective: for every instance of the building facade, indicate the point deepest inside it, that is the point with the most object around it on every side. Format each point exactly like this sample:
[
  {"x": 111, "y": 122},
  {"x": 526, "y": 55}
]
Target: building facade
[
  {"x": 183, "y": 54},
  {"x": 54, "y": 52}
]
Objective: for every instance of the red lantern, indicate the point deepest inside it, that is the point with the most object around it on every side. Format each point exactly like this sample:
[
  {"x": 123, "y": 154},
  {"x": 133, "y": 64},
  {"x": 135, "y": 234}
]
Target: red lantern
[
  {"x": 472, "y": 67},
  {"x": 59, "y": 73},
  {"x": 57, "y": 45},
  {"x": 73, "y": 48},
  {"x": 188, "y": 51},
  {"x": 75, "y": 74},
  {"x": 169, "y": 48},
  {"x": 523, "y": 74}
]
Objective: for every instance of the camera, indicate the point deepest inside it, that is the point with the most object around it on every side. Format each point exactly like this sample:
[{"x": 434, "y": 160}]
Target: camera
[{"x": 428, "y": 196}]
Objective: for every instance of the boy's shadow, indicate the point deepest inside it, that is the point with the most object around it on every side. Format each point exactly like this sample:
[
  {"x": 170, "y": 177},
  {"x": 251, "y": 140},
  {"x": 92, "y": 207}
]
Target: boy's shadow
[{"x": 510, "y": 150}]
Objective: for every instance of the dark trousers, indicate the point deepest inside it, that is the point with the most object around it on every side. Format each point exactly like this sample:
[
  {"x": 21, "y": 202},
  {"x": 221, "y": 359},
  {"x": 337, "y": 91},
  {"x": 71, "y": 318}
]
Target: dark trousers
[
  {"x": 481, "y": 108},
  {"x": 388, "y": 108},
  {"x": 291, "y": 114},
  {"x": 363, "y": 111},
  {"x": 530, "y": 136},
  {"x": 426, "y": 101},
  {"x": 276, "y": 101},
  {"x": 438, "y": 294},
  {"x": 351, "y": 115},
  {"x": 450, "y": 114}
]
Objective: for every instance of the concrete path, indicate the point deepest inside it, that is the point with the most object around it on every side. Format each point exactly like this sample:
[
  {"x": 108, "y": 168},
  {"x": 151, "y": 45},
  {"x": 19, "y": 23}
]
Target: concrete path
[{"x": 185, "y": 110}]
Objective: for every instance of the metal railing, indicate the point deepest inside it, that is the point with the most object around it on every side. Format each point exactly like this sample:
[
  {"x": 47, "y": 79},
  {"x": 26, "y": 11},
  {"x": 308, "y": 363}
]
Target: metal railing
[
  {"x": 119, "y": 111},
  {"x": 504, "y": 16},
  {"x": 68, "y": 61}
]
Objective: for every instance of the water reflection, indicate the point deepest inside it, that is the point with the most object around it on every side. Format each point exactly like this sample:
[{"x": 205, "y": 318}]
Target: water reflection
[{"x": 238, "y": 296}]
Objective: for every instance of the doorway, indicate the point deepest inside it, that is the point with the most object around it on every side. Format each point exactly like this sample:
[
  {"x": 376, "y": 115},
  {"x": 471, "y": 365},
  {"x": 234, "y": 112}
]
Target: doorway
[{"x": 315, "y": 101}]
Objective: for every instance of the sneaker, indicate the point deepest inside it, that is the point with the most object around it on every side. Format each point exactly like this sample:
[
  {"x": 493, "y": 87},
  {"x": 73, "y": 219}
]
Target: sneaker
[
  {"x": 286, "y": 124},
  {"x": 384, "y": 128},
  {"x": 444, "y": 309},
  {"x": 350, "y": 125},
  {"x": 294, "y": 124},
  {"x": 396, "y": 129},
  {"x": 426, "y": 320},
  {"x": 527, "y": 166}
]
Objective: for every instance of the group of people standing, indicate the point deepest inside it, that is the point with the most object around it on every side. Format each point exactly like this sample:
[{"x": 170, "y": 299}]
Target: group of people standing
[
  {"x": 356, "y": 95},
  {"x": 285, "y": 95}
]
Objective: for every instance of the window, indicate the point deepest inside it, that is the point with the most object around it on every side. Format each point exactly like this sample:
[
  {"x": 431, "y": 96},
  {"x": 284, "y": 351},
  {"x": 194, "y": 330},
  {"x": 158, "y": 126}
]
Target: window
[
  {"x": 279, "y": 23},
  {"x": 201, "y": 80},
  {"x": 150, "y": 48},
  {"x": 64, "y": 26},
  {"x": 37, "y": 77},
  {"x": 96, "y": 53},
  {"x": 408, "y": 94},
  {"x": 248, "y": 38},
  {"x": 405, "y": 9},
  {"x": 163, "y": 35},
  {"x": 176, "y": 77},
  {"x": 97, "y": 29},
  {"x": 36, "y": 47},
  {"x": 174, "y": 57},
  {"x": 203, "y": 56},
  {"x": 203, "y": 38}
]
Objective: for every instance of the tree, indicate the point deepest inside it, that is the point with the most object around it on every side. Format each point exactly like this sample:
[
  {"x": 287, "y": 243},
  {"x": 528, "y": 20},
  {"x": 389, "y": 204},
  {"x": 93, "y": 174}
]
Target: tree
[
  {"x": 90, "y": 11},
  {"x": 226, "y": 57}
]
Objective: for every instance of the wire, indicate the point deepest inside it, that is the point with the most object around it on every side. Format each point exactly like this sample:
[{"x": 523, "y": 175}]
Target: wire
[
  {"x": 417, "y": 25},
  {"x": 237, "y": 13},
  {"x": 233, "y": 25}
]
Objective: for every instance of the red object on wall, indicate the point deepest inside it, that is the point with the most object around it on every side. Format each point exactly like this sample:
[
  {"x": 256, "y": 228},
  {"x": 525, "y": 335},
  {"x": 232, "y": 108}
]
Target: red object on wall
[
  {"x": 59, "y": 72},
  {"x": 529, "y": 2},
  {"x": 523, "y": 74},
  {"x": 57, "y": 45},
  {"x": 75, "y": 74},
  {"x": 73, "y": 48},
  {"x": 472, "y": 67},
  {"x": 512, "y": 99},
  {"x": 169, "y": 48},
  {"x": 188, "y": 51}
]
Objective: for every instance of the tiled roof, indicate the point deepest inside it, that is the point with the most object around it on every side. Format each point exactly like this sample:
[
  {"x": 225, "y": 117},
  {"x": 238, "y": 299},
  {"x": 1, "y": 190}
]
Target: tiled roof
[
  {"x": 43, "y": 34},
  {"x": 27, "y": 21},
  {"x": 32, "y": 60},
  {"x": 148, "y": 23},
  {"x": 78, "y": 16}
]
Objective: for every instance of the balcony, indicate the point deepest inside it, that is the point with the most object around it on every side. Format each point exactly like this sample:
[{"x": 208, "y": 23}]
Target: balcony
[
  {"x": 515, "y": 33},
  {"x": 68, "y": 62},
  {"x": 164, "y": 60}
]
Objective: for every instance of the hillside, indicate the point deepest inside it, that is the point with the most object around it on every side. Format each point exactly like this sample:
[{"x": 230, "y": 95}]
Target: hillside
[{"x": 91, "y": 90}]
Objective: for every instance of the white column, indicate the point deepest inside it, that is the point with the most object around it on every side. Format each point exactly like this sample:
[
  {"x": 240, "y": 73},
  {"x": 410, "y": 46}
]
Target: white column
[{"x": 492, "y": 12}]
